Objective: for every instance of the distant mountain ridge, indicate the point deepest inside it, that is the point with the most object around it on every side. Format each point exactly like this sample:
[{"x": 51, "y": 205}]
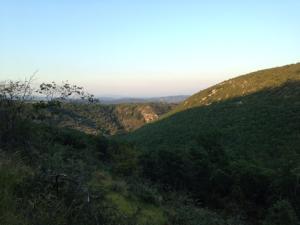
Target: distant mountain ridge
[{"x": 165, "y": 99}]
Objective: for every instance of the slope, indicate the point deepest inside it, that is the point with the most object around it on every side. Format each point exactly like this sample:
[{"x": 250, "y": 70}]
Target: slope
[
  {"x": 109, "y": 119},
  {"x": 241, "y": 86},
  {"x": 236, "y": 144},
  {"x": 240, "y": 108}
]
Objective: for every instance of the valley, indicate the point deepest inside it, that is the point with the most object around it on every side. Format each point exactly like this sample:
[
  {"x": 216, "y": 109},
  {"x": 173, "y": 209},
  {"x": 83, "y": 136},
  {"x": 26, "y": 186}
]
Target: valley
[
  {"x": 109, "y": 119},
  {"x": 228, "y": 155}
]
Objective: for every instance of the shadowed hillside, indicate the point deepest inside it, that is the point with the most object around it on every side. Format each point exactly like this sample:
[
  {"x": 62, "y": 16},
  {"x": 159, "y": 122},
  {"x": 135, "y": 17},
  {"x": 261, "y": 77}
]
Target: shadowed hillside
[
  {"x": 263, "y": 119},
  {"x": 242, "y": 150},
  {"x": 267, "y": 101}
]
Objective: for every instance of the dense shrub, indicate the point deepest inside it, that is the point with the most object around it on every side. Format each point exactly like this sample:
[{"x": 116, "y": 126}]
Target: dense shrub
[
  {"x": 123, "y": 158},
  {"x": 281, "y": 213}
]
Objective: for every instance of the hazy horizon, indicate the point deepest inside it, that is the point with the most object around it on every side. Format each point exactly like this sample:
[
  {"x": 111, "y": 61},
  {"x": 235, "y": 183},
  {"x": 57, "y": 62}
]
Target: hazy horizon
[{"x": 145, "y": 49}]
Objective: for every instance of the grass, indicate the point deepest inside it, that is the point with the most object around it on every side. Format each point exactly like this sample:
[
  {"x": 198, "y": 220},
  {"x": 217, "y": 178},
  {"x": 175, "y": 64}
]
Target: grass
[
  {"x": 127, "y": 203},
  {"x": 131, "y": 206},
  {"x": 12, "y": 173}
]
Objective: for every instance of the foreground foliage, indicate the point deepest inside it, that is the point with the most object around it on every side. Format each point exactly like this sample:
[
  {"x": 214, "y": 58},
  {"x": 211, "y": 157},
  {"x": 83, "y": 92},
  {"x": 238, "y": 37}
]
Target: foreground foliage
[{"x": 56, "y": 176}]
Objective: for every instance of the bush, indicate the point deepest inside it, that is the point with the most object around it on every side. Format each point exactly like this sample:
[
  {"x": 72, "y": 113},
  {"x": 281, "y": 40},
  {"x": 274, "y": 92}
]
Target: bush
[
  {"x": 145, "y": 192},
  {"x": 119, "y": 186},
  {"x": 190, "y": 215},
  {"x": 11, "y": 175},
  {"x": 281, "y": 213},
  {"x": 124, "y": 159}
]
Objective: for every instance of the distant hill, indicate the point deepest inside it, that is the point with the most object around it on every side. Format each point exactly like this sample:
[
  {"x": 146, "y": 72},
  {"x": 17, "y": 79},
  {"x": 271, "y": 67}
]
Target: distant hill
[{"x": 166, "y": 99}]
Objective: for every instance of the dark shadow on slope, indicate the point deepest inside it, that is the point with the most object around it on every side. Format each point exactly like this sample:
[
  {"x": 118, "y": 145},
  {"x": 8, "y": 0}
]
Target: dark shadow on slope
[
  {"x": 243, "y": 152},
  {"x": 262, "y": 118}
]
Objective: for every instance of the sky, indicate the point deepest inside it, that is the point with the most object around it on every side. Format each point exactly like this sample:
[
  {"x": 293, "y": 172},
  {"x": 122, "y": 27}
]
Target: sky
[{"x": 148, "y": 47}]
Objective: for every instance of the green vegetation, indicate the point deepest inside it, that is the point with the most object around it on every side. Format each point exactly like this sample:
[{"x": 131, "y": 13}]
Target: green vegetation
[
  {"x": 242, "y": 86},
  {"x": 109, "y": 119},
  {"x": 54, "y": 176},
  {"x": 228, "y": 161},
  {"x": 240, "y": 154}
]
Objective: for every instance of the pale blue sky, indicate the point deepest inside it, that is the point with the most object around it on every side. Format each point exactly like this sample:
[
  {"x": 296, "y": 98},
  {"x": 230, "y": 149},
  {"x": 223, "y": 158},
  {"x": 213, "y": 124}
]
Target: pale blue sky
[{"x": 146, "y": 47}]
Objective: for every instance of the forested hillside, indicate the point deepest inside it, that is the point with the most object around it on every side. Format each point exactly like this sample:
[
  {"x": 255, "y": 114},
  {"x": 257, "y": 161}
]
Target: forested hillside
[
  {"x": 109, "y": 119},
  {"x": 235, "y": 146}
]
